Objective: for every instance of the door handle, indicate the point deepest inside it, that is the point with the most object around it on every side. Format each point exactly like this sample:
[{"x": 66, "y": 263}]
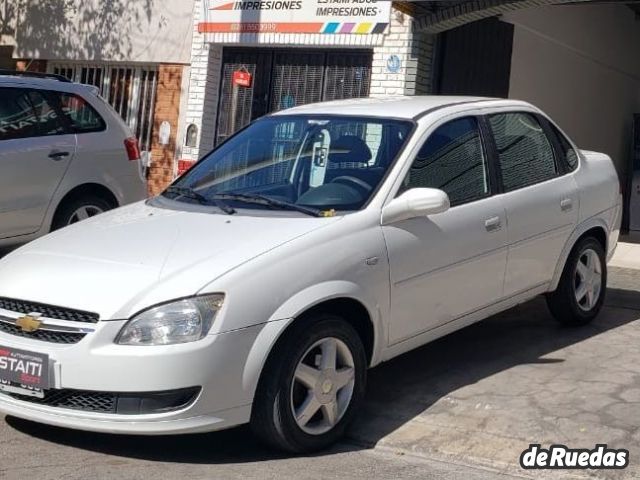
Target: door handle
[
  {"x": 493, "y": 224},
  {"x": 58, "y": 155},
  {"x": 566, "y": 204}
]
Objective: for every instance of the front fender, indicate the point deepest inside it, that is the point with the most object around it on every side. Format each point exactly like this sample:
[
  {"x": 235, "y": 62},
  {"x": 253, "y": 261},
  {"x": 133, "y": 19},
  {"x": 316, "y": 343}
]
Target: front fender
[{"x": 289, "y": 311}]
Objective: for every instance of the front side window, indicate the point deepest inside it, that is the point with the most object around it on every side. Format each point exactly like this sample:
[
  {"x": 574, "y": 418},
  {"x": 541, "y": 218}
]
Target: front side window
[
  {"x": 324, "y": 162},
  {"x": 525, "y": 154},
  {"x": 453, "y": 160},
  {"x": 81, "y": 115}
]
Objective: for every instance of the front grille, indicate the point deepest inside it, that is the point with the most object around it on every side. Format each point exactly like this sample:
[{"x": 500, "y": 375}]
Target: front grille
[
  {"x": 48, "y": 311},
  {"x": 112, "y": 402},
  {"x": 100, "y": 402},
  {"x": 43, "y": 335}
]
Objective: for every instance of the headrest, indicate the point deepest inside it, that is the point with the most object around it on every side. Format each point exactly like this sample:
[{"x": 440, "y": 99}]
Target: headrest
[{"x": 349, "y": 148}]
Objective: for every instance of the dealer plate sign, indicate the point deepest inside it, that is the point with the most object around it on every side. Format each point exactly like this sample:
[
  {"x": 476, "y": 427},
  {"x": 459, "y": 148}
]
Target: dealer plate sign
[{"x": 23, "y": 372}]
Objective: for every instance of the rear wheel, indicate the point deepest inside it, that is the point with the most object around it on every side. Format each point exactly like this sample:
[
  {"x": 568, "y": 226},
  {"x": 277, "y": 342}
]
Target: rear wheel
[
  {"x": 78, "y": 209},
  {"x": 581, "y": 291},
  {"x": 311, "y": 387}
]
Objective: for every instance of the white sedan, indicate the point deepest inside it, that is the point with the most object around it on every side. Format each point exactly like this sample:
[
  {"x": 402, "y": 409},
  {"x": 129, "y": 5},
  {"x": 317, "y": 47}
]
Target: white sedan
[{"x": 314, "y": 244}]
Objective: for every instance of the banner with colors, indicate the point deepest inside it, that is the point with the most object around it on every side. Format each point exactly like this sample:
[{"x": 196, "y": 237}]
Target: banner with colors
[{"x": 296, "y": 16}]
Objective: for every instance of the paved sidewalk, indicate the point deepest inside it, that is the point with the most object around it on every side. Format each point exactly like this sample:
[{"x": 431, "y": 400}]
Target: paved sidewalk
[
  {"x": 627, "y": 256},
  {"x": 483, "y": 394}
]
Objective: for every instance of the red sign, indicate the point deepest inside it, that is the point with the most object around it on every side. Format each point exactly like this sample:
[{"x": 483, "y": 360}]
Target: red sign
[{"x": 242, "y": 79}]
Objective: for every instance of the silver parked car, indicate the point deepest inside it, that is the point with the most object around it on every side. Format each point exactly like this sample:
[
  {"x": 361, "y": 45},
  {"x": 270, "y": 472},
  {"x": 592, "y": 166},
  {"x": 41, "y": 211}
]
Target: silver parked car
[{"x": 65, "y": 155}]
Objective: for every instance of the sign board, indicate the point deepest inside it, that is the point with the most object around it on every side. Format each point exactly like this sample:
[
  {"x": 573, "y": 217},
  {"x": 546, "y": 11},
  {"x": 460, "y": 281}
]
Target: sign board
[
  {"x": 242, "y": 79},
  {"x": 165, "y": 133},
  {"x": 394, "y": 64},
  {"x": 296, "y": 16}
]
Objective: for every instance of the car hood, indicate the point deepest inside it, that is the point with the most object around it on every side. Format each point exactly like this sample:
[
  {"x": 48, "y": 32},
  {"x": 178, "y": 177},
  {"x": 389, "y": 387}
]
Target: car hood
[{"x": 140, "y": 255}]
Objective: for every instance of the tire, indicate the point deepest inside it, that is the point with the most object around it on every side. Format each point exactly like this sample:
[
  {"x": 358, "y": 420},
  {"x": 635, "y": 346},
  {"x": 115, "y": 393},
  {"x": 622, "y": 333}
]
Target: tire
[
  {"x": 572, "y": 303},
  {"x": 67, "y": 213},
  {"x": 279, "y": 394}
]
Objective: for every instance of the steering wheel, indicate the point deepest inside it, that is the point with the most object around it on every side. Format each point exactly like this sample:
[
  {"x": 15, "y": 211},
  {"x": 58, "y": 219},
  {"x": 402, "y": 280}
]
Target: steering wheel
[{"x": 351, "y": 181}]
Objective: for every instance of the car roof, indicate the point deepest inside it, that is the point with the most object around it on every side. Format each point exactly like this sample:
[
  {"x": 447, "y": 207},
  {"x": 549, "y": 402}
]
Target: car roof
[
  {"x": 404, "y": 107},
  {"x": 48, "y": 83}
]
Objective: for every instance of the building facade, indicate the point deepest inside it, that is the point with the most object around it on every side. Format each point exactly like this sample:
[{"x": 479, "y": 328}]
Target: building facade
[
  {"x": 206, "y": 68},
  {"x": 135, "y": 53}
]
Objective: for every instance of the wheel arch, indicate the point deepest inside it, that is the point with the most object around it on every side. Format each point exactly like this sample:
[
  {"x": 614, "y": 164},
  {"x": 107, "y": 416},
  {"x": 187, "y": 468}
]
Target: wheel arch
[
  {"x": 352, "y": 308},
  {"x": 85, "y": 190},
  {"x": 596, "y": 228}
]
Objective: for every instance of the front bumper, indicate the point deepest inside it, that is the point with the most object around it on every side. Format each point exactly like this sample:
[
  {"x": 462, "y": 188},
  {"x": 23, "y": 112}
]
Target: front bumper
[
  {"x": 216, "y": 364},
  {"x": 125, "y": 424}
]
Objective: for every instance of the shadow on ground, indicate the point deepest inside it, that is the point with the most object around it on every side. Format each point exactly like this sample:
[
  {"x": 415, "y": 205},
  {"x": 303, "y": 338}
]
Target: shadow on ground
[{"x": 398, "y": 390}]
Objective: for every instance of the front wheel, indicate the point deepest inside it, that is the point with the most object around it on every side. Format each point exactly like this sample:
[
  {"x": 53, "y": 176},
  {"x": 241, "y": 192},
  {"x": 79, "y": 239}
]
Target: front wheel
[
  {"x": 311, "y": 386},
  {"x": 580, "y": 293}
]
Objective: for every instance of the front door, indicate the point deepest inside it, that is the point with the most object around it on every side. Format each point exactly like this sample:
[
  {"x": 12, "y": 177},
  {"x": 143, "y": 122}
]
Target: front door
[
  {"x": 35, "y": 152},
  {"x": 450, "y": 264},
  {"x": 282, "y": 79}
]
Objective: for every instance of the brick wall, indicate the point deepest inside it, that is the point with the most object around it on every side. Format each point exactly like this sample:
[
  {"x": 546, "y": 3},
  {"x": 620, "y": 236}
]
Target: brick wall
[
  {"x": 415, "y": 50},
  {"x": 167, "y": 108}
]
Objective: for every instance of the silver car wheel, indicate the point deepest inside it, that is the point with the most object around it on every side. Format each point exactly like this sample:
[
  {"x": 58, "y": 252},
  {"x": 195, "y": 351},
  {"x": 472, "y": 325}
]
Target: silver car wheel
[
  {"x": 322, "y": 386},
  {"x": 84, "y": 212},
  {"x": 588, "y": 280}
]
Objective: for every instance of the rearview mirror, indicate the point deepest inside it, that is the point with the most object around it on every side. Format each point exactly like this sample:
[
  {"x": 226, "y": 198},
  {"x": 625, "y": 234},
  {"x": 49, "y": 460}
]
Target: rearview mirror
[{"x": 417, "y": 202}]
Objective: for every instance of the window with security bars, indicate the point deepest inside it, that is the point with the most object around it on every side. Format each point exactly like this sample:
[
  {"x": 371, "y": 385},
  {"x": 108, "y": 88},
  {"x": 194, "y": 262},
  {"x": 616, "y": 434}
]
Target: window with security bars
[
  {"x": 130, "y": 90},
  {"x": 237, "y": 102},
  {"x": 297, "y": 79},
  {"x": 284, "y": 79},
  {"x": 348, "y": 75}
]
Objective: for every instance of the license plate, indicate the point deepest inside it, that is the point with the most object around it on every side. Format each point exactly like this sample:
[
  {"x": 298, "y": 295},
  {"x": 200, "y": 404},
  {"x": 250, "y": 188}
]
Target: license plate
[{"x": 23, "y": 373}]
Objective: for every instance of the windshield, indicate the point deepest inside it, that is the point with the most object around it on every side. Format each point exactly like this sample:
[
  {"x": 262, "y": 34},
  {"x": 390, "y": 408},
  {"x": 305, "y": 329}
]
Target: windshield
[{"x": 297, "y": 162}]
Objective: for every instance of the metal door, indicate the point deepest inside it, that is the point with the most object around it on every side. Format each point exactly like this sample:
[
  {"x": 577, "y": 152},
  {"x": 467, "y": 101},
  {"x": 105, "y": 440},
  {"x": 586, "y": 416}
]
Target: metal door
[
  {"x": 285, "y": 78},
  {"x": 475, "y": 59}
]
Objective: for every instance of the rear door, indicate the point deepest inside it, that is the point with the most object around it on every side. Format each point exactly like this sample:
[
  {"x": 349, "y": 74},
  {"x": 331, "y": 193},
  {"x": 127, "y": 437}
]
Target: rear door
[
  {"x": 540, "y": 197},
  {"x": 36, "y": 148}
]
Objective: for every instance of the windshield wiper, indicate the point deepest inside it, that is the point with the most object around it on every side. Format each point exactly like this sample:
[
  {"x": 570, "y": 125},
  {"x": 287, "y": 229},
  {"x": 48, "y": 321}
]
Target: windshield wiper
[
  {"x": 268, "y": 202},
  {"x": 187, "y": 192}
]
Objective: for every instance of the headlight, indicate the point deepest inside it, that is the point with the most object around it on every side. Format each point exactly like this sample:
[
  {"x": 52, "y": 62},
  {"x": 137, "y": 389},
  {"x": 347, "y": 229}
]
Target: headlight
[{"x": 181, "y": 321}]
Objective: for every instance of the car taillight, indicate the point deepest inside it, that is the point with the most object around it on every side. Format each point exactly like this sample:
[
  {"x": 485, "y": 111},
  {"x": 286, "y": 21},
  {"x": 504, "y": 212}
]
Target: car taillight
[{"x": 132, "y": 147}]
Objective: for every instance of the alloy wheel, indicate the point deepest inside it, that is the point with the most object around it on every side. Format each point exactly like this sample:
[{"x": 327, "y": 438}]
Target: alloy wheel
[
  {"x": 588, "y": 280},
  {"x": 84, "y": 212},
  {"x": 322, "y": 386}
]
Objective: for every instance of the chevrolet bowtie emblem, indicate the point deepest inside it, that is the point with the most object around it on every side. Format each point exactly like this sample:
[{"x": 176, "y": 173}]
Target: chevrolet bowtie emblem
[{"x": 28, "y": 323}]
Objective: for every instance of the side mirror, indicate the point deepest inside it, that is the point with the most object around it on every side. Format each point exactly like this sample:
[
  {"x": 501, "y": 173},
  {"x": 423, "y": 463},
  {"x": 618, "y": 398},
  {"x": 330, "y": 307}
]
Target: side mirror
[{"x": 417, "y": 202}]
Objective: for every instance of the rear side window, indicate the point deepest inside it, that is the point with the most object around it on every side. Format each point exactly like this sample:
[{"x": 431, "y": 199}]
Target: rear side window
[
  {"x": 524, "y": 151},
  {"x": 48, "y": 119},
  {"x": 27, "y": 113},
  {"x": 453, "y": 160},
  {"x": 82, "y": 116},
  {"x": 567, "y": 154}
]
